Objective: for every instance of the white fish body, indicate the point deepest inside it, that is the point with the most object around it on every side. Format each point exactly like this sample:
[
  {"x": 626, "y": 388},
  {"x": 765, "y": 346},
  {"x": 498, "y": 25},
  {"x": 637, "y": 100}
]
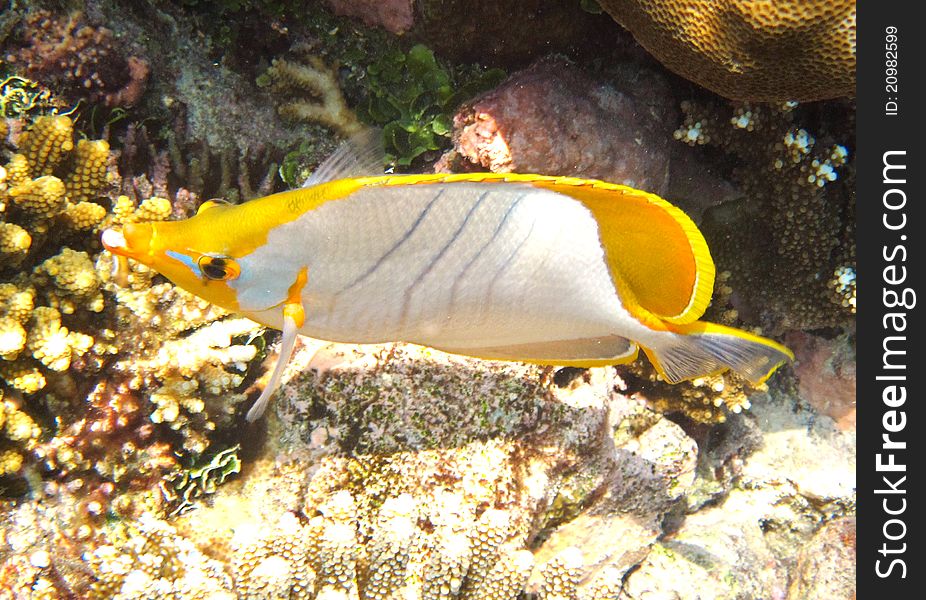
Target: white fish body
[{"x": 540, "y": 269}]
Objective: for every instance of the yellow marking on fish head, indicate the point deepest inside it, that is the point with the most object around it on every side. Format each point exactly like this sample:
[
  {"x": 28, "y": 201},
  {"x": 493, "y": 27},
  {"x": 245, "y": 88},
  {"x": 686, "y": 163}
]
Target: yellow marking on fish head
[{"x": 206, "y": 254}]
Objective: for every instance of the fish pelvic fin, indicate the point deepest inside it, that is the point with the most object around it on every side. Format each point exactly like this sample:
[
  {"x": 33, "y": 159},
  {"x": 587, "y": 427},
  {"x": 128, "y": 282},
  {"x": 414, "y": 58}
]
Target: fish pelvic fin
[
  {"x": 700, "y": 348},
  {"x": 293, "y": 319}
]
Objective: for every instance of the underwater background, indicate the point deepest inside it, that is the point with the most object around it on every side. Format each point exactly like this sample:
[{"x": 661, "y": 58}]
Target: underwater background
[{"x": 127, "y": 469}]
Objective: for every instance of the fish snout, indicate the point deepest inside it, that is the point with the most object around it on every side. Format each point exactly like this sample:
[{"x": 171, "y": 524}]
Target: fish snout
[{"x": 132, "y": 240}]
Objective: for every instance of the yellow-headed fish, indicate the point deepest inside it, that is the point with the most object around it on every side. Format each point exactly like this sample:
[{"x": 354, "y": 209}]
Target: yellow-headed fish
[{"x": 551, "y": 270}]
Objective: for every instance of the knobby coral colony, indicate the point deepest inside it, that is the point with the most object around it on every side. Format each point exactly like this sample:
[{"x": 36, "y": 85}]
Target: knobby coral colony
[
  {"x": 332, "y": 555},
  {"x": 801, "y": 204},
  {"x": 84, "y": 62},
  {"x": 100, "y": 383}
]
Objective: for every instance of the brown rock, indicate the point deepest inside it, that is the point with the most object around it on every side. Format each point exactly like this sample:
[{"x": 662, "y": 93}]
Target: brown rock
[
  {"x": 826, "y": 375},
  {"x": 553, "y": 119},
  {"x": 826, "y": 567}
]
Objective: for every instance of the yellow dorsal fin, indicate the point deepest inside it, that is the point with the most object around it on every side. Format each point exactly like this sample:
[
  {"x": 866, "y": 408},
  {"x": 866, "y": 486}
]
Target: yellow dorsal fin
[{"x": 655, "y": 250}]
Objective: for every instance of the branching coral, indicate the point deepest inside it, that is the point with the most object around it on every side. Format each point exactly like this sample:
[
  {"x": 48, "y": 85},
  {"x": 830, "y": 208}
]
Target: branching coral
[
  {"x": 463, "y": 557},
  {"x": 325, "y": 104},
  {"x": 799, "y": 206},
  {"x": 705, "y": 400},
  {"x": 148, "y": 559}
]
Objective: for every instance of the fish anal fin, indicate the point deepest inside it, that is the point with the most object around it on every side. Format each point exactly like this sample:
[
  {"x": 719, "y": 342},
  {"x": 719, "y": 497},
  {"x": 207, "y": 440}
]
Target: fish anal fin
[
  {"x": 583, "y": 352},
  {"x": 655, "y": 250}
]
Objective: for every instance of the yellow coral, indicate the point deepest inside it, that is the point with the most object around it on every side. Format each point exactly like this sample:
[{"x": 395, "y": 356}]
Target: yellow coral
[
  {"x": 169, "y": 398},
  {"x": 53, "y": 345},
  {"x": 767, "y": 51},
  {"x": 89, "y": 172},
  {"x": 14, "y": 243},
  {"x": 17, "y": 170},
  {"x": 83, "y": 215},
  {"x": 123, "y": 209},
  {"x": 153, "y": 209},
  {"x": 10, "y": 462},
  {"x": 75, "y": 281},
  {"x": 17, "y": 425},
  {"x": 150, "y": 560},
  {"x": 12, "y": 338},
  {"x": 43, "y": 197},
  {"x": 46, "y": 143},
  {"x": 15, "y": 302},
  {"x": 275, "y": 564},
  {"x": 23, "y": 377},
  {"x": 561, "y": 576}
]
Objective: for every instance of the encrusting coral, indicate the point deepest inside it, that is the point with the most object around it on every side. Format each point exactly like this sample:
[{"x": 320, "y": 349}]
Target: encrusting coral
[
  {"x": 799, "y": 202},
  {"x": 771, "y": 51},
  {"x": 82, "y": 60}
]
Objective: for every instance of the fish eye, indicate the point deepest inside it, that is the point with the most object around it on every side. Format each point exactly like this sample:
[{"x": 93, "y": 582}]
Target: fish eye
[{"x": 218, "y": 268}]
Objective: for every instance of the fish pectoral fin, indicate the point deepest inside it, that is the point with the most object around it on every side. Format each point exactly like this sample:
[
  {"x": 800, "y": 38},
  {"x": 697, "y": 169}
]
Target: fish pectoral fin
[
  {"x": 580, "y": 352},
  {"x": 701, "y": 348},
  {"x": 293, "y": 318}
]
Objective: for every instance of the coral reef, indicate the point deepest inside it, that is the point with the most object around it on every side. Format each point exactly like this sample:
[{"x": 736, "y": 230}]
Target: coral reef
[
  {"x": 157, "y": 389},
  {"x": 527, "y": 506},
  {"x": 398, "y": 471},
  {"x": 557, "y": 118},
  {"x": 80, "y": 60},
  {"x": 771, "y": 52},
  {"x": 148, "y": 559},
  {"x": 790, "y": 246}
]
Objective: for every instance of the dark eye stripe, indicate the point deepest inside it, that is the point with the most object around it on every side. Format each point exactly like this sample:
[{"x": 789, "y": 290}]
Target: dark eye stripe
[
  {"x": 217, "y": 267},
  {"x": 214, "y": 271}
]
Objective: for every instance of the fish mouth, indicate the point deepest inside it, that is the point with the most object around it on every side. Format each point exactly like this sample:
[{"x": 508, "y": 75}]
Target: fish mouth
[{"x": 132, "y": 240}]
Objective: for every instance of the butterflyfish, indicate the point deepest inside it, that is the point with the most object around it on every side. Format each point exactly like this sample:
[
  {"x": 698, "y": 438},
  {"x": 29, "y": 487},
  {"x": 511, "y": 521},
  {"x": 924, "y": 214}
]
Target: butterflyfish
[{"x": 532, "y": 268}]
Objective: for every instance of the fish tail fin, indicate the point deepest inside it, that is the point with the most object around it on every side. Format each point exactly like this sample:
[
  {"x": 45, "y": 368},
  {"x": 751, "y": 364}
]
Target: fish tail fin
[{"x": 698, "y": 349}]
